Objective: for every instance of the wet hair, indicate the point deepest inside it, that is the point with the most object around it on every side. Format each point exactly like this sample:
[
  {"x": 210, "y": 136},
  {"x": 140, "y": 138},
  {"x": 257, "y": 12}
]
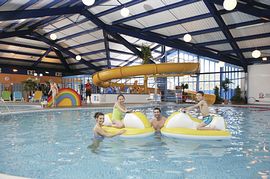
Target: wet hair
[
  {"x": 200, "y": 92},
  {"x": 157, "y": 109},
  {"x": 120, "y": 96},
  {"x": 97, "y": 114}
]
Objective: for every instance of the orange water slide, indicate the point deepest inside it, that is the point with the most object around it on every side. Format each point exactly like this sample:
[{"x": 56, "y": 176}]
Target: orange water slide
[{"x": 104, "y": 77}]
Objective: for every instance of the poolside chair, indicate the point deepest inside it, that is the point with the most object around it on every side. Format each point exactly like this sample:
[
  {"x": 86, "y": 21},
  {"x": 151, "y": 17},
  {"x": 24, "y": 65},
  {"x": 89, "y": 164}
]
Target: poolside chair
[
  {"x": 17, "y": 96},
  {"x": 6, "y": 95},
  {"x": 37, "y": 96}
]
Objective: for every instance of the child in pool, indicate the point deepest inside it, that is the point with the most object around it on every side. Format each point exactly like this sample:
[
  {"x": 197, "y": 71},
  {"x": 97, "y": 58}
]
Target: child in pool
[
  {"x": 203, "y": 106},
  {"x": 99, "y": 132},
  {"x": 119, "y": 111}
]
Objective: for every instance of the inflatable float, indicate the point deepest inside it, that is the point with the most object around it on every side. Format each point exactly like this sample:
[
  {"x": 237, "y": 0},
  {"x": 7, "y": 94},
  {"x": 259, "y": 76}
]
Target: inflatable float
[
  {"x": 136, "y": 125},
  {"x": 182, "y": 125}
]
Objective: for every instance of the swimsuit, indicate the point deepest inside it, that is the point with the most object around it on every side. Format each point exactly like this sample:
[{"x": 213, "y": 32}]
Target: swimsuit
[
  {"x": 207, "y": 119},
  {"x": 98, "y": 136},
  {"x": 117, "y": 114}
]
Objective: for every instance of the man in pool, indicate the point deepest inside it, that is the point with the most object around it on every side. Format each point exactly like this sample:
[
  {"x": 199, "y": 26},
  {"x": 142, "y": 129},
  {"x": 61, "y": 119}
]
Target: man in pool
[
  {"x": 158, "y": 121},
  {"x": 203, "y": 106}
]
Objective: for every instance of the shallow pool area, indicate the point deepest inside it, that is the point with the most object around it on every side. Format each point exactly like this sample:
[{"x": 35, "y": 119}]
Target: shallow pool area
[{"x": 57, "y": 144}]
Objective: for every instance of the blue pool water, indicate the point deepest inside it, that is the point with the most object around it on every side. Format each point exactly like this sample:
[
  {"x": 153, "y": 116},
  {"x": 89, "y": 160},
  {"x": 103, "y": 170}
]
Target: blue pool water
[
  {"x": 5, "y": 108},
  {"x": 55, "y": 145}
]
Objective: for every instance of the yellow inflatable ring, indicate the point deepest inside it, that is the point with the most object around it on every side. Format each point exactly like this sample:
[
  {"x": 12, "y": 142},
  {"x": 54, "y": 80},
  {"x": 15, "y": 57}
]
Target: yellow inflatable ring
[{"x": 136, "y": 125}]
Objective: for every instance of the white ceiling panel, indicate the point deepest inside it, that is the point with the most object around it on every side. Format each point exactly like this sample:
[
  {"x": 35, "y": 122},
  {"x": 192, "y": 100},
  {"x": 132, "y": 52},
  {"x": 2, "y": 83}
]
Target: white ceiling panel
[
  {"x": 251, "y": 30},
  {"x": 171, "y": 30},
  {"x": 254, "y": 43},
  {"x": 237, "y": 17},
  {"x": 13, "y": 5},
  {"x": 200, "y": 24},
  {"x": 221, "y": 47},
  {"x": 190, "y": 10},
  {"x": 208, "y": 37}
]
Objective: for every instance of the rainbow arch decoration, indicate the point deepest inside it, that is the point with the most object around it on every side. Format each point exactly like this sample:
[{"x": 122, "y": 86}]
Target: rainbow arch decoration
[{"x": 66, "y": 97}]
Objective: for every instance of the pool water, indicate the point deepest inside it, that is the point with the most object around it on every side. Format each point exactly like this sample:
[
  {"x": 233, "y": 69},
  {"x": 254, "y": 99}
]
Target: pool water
[
  {"x": 58, "y": 145},
  {"x": 5, "y": 108}
]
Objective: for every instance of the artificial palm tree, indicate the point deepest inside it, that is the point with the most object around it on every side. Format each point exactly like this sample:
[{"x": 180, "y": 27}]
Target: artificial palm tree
[
  {"x": 29, "y": 85},
  {"x": 146, "y": 54}
]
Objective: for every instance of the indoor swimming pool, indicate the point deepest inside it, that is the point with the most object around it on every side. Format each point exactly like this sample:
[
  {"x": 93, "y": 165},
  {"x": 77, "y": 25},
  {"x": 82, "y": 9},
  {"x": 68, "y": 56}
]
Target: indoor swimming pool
[{"x": 57, "y": 144}]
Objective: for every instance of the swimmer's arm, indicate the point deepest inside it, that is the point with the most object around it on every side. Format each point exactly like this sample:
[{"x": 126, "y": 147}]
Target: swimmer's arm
[
  {"x": 121, "y": 108},
  {"x": 192, "y": 107},
  {"x": 102, "y": 132}
]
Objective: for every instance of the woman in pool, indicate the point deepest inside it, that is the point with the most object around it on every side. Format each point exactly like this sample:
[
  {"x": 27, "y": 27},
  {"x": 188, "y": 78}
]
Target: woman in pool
[
  {"x": 119, "y": 110},
  {"x": 99, "y": 132}
]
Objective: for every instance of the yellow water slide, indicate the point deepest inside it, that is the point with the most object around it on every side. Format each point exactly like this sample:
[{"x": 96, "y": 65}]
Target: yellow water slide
[{"x": 104, "y": 77}]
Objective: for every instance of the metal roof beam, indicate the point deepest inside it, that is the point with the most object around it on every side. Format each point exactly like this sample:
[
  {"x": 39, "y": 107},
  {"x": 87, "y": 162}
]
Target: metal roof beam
[
  {"x": 78, "y": 34},
  {"x": 23, "y": 7},
  {"x": 62, "y": 59},
  {"x": 93, "y": 52},
  {"x": 106, "y": 28},
  {"x": 51, "y": 4},
  {"x": 138, "y": 46},
  {"x": 213, "y": 10},
  {"x": 180, "y": 21},
  {"x": 23, "y": 45},
  {"x": 106, "y": 44},
  {"x": 154, "y": 11},
  {"x": 216, "y": 29},
  {"x": 27, "y": 61},
  {"x": 248, "y": 49},
  {"x": 238, "y": 39},
  {"x": 40, "y": 58},
  {"x": 157, "y": 38},
  {"x": 62, "y": 49},
  {"x": 25, "y": 53},
  {"x": 86, "y": 44},
  {"x": 51, "y": 20},
  {"x": 122, "y": 52},
  {"x": 13, "y": 33},
  {"x": 128, "y": 4},
  {"x": 34, "y": 13},
  {"x": 245, "y": 8}
]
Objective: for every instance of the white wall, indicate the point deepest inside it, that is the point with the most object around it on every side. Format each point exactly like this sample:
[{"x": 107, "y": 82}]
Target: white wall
[{"x": 259, "y": 82}]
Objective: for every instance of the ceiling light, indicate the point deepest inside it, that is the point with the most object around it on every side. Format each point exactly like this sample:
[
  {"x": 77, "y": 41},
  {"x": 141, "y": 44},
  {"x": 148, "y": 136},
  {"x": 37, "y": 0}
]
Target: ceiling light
[
  {"x": 264, "y": 58},
  {"x": 256, "y": 54},
  {"x": 15, "y": 70},
  {"x": 40, "y": 74},
  {"x": 53, "y": 36},
  {"x": 88, "y": 2},
  {"x": 229, "y": 4},
  {"x": 187, "y": 38},
  {"x": 46, "y": 72},
  {"x": 78, "y": 57},
  {"x": 124, "y": 12}
]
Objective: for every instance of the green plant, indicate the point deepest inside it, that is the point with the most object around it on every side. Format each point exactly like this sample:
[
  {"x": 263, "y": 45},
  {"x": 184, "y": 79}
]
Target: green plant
[
  {"x": 237, "y": 96},
  {"x": 225, "y": 85},
  {"x": 29, "y": 85},
  {"x": 146, "y": 54},
  {"x": 183, "y": 87},
  {"x": 219, "y": 100}
]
